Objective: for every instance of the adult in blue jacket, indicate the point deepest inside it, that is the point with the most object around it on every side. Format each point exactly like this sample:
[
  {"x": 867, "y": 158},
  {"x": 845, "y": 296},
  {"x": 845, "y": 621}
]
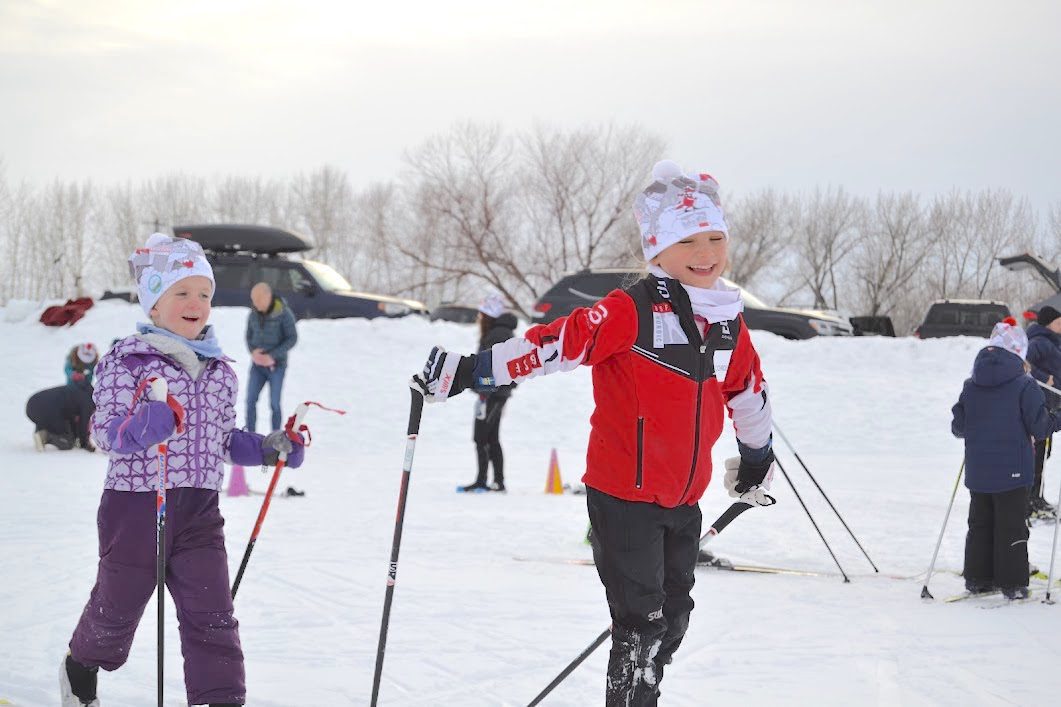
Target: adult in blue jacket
[
  {"x": 270, "y": 335},
  {"x": 1000, "y": 413},
  {"x": 1044, "y": 357}
]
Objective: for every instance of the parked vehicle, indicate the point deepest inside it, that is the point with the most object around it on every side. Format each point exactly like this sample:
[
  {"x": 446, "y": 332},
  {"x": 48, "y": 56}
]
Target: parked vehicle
[
  {"x": 459, "y": 313},
  {"x": 242, "y": 256},
  {"x": 588, "y": 286},
  {"x": 872, "y": 326},
  {"x": 961, "y": 317}
]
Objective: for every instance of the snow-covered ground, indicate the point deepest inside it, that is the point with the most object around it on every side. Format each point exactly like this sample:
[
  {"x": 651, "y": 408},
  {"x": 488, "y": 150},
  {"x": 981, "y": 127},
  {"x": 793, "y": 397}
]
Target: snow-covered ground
[{"x": 473, "y": 626}]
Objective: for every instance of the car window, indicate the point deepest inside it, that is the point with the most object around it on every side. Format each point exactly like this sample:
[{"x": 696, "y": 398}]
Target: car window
[
  {"x": 231, "y": 277},
  {"x": 281, "y": 279},
  {"x": 942, "y": 314}
]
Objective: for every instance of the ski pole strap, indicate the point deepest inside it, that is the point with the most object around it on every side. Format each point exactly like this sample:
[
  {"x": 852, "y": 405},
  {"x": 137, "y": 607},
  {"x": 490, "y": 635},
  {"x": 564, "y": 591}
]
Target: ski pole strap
[{"x": 295, "y": 427}]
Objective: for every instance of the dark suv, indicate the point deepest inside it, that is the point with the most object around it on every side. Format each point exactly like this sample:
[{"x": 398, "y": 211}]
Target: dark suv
[
  {"x": 242, "y": 256},
  {"x": 961, "y": 317},
  {"x": 588, "y": 286}
]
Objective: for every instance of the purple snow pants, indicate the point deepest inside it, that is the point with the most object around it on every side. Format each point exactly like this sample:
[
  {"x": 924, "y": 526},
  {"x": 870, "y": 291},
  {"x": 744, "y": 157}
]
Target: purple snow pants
[{"x": 197, "y": 577}]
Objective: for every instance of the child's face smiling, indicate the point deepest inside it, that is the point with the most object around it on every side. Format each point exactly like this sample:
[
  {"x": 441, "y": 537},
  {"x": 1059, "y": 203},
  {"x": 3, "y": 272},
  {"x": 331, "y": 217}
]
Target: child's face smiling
[
  {"x": 698, "y": 260},
  {"x": 185, "y": 307}
]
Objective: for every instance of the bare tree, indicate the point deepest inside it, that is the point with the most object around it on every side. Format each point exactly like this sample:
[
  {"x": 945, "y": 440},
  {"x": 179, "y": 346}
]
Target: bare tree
[
  {"x": 760, "y": 231},
  {"x": 249, "y": 200},
  {"x": 322, "y": 205},
  {"x": 891, "y": 251},
  {"x": 577, "y": 190},
  {"x": 463, "y": 214},
  {"x": 825, "y": 228}
]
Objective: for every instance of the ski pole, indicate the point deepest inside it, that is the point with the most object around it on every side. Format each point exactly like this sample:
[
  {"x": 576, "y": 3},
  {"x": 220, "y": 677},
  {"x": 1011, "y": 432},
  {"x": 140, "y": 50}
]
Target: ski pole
[
  {"x": 160, "y": 392},
  {"x": 416, "y": 408},
  {"x": 717, "y": 527},
  {"x": 811, "y": 517},
  {"x": 1053, "y": 554},
  {"x": 925, "y": 594},
  {"x": 160, "y": 553},
  {"x": 294, "y": 424},
  {"x": 822, "y": 491}
]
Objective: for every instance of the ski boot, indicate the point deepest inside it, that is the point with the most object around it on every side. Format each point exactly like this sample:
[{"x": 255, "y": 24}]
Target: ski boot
[
  {"x": 40, "y": 438},
  {"x": 477, "y": 487},
  {"x": 1015, "y": 593},
  {"x": 77, "y": 684},
  {"x": 705, "y": 558},
  {"x": 498, "y": 486}
]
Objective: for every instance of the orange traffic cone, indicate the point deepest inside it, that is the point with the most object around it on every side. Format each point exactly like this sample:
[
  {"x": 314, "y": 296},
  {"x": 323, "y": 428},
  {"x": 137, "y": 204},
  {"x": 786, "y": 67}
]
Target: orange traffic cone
[
  {"x": 553, "y": 484},
  {"x": 237, "y": 482}
]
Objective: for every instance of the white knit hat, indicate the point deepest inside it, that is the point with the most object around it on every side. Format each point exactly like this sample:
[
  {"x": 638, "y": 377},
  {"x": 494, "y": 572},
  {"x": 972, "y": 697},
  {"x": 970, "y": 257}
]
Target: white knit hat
[
  {"x": 493, "y": 305},
  {"x": 675, "y": 206},
  {"x": 162, "y": 262},
  {"x": 86, "y": 353},
  {"x": 1007, "y": 335}
]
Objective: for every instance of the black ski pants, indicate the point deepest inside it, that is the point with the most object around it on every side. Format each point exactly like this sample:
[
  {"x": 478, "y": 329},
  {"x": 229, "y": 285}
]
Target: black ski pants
[
  {"x": 487, "y": 436},
  {"x": 996, "y": 546},
  {"x": 1042, "y": 453},
  {"x": 645, "y": 555}
]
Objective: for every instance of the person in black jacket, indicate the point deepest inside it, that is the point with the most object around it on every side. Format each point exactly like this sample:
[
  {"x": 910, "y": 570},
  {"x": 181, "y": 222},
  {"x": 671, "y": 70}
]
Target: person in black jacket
[
  {"x": 61, "y": 415},
  {"x": 1044, "y": 357},
  {"x": 1000, "y": 414},
  {"x": 496, "y": 324}
]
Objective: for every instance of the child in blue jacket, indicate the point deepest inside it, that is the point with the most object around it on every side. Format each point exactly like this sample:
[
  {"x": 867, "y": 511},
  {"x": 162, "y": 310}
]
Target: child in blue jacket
[{"x": 1001, "y": 413}]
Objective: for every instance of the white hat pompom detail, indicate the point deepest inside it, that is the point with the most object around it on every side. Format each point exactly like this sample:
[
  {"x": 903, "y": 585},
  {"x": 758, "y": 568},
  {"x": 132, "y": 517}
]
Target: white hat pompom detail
[
  {"x": 156, "y": 239},
  {"x": 666, "y": 169}
]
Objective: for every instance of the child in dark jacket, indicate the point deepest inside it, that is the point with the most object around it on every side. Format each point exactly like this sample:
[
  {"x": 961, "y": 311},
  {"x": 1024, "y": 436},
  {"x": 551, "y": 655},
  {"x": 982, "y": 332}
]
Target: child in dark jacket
[
  {"x": 1044, "y": 357},
  {"x": 496, "y": 324},
  {"x": 1001, "y": 412}
]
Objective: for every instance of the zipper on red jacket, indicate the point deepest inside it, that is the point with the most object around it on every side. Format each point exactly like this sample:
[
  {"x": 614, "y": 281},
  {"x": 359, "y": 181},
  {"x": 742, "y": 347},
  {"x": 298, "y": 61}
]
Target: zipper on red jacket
[
  {"x": 696, "y": 430},
  {"x": 640, "y": 452}
]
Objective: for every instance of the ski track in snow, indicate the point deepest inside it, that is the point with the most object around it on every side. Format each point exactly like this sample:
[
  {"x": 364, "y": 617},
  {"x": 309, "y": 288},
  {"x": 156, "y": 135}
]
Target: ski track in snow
[{"x": 472, "y": 626}]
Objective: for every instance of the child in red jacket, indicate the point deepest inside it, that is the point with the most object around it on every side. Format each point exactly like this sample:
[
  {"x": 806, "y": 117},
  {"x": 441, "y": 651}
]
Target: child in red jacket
[{"x": 670, "y": 355}]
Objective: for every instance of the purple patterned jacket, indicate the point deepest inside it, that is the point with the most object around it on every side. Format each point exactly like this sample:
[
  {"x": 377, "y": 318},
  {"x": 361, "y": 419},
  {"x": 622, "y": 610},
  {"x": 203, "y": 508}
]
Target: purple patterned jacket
[{"x": 195, "y": 457}]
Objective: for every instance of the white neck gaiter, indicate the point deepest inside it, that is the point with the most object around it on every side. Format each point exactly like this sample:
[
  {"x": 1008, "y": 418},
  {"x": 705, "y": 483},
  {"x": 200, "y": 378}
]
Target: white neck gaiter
[{"x": 719, "y": 304}]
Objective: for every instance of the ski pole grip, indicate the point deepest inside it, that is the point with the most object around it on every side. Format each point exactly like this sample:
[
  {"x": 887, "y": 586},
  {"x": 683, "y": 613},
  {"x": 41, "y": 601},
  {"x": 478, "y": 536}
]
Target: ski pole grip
[
  {"x": 294, "y": 425},
  {"x": 416, "y": 409},
  {"x": 159, "y": 389}
]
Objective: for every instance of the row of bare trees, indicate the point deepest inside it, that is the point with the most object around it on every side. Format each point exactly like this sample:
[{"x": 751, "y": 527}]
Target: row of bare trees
[{"x": 478, "y": 208}]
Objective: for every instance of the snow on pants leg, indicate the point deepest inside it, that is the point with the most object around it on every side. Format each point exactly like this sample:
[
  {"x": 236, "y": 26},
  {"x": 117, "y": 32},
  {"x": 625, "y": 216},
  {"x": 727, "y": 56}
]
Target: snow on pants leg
[
  {"x": 645, "y": 555},
  {"x": 197, "y": 577}
]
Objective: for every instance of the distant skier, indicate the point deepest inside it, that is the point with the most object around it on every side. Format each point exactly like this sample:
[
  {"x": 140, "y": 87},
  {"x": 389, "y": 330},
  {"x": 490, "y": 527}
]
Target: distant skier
[
  {"x": 496, "y": 324},
  {"x": 175, "y": 284},
  {"x": 81, "y": 362},
  {"x": 670, "y": 355},
  {"x": 1044, "y": 357},
  {"x": 1000, "y": 414}
]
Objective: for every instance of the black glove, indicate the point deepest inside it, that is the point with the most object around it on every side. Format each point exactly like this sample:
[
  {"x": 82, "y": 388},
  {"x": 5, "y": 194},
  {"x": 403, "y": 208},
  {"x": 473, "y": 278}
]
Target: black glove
[
  {"x": 751, "y": 474},
  {"x": 444, "y": 375}
]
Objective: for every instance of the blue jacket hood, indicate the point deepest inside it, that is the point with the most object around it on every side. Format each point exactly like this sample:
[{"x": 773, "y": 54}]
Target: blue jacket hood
[
  {"x": 1036, "y": 330},
  {"x": 994, "y": 366}
]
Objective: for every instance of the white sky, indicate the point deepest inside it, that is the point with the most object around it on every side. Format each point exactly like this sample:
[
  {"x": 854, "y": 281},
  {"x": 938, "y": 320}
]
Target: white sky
[{"x": 908, "y": 94}]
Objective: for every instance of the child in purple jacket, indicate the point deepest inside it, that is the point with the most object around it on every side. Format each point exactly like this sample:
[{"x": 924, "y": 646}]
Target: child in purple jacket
[{"x": 175, "y": 284}]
